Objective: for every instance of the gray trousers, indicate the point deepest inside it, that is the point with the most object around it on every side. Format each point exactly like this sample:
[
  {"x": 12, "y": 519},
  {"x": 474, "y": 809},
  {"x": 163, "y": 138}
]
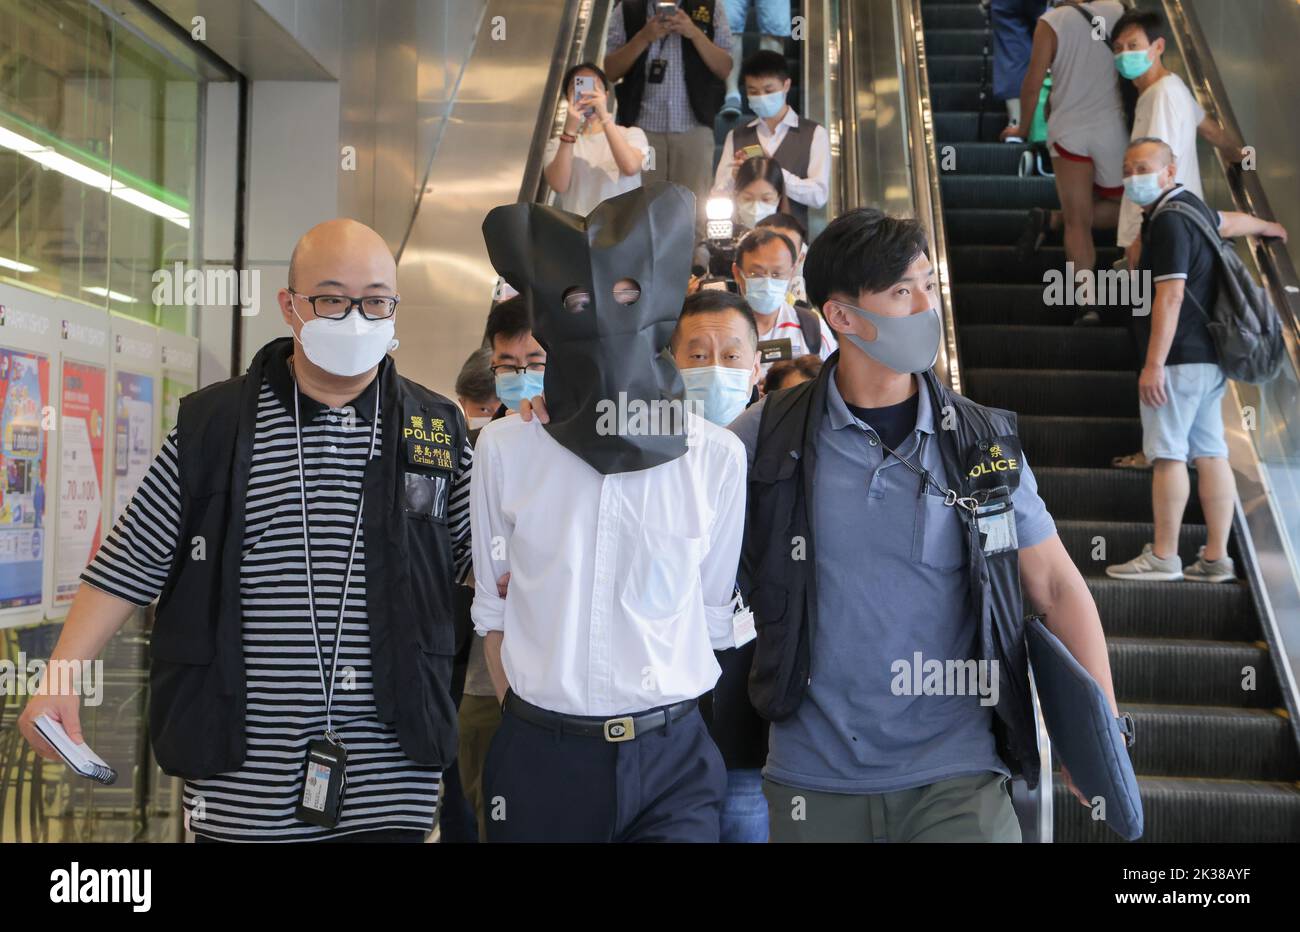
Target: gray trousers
[
  {"x": 685, "y": 159},
  {"x": 975, "y": 808}
]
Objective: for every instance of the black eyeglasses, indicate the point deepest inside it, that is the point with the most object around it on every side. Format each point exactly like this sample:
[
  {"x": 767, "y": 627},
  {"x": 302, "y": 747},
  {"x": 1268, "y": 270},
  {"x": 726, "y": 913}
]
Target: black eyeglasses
[
  {"x": 506, "y": 370},
  {"x": 338, "y": 306}
]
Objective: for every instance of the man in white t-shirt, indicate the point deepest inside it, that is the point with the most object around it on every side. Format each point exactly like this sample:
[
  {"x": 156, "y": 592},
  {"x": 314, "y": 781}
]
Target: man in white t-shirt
[
  {"x": 763, "y": 270},
  {"x": 1165, "y": 110}
]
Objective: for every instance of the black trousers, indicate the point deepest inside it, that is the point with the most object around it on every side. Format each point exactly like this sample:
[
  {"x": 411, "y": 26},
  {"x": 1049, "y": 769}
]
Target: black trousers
[{"x": 540, "y": 785}]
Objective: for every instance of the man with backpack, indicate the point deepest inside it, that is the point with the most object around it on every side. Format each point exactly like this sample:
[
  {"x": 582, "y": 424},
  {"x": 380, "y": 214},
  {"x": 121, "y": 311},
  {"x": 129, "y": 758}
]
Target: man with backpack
[{"x": 1224, "y": 329}]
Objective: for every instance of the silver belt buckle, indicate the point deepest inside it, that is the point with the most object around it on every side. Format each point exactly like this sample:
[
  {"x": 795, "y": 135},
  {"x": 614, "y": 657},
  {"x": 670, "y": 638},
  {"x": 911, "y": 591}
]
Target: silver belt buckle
[{"x": 620, "y": 729}]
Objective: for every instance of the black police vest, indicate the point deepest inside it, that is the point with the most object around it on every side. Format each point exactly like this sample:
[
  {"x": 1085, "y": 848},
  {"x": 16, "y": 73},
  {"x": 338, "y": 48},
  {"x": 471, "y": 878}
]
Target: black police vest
[
  {"x": 197, "y": 693},
  {"x": 781, "y": 588},
  {"x": 703, "y": 87},
  {"x": 793, "y": 154}
]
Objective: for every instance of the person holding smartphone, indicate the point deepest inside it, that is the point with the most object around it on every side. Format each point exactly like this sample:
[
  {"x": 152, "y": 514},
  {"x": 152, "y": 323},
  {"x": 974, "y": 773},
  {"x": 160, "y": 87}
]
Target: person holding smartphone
[{"x": 594, "y": 158}]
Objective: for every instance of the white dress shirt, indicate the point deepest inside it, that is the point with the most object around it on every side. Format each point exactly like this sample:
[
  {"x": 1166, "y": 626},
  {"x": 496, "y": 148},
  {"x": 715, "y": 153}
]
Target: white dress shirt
[
  {"x": 811, "y": 191},
  {"x": 620, "y": 585}
]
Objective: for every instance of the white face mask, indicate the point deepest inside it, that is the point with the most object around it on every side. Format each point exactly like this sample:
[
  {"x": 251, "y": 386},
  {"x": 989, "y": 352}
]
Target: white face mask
[
  {"x": 478, "y": 423},
  {"x": 346, "y": 347},
  {"x": 750, "y": 213}
]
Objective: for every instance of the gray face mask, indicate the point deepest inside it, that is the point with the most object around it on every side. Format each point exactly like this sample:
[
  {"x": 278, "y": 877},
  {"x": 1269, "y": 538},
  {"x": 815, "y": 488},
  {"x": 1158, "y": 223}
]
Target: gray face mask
[{"x": 904, "y": 344}]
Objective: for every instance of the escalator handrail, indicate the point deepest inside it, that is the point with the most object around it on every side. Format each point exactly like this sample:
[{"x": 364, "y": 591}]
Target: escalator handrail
[
  {"x": 1271, "y": 257},
  {"x": 923, "y": 156},
  {"x": 580, "y": 38}
]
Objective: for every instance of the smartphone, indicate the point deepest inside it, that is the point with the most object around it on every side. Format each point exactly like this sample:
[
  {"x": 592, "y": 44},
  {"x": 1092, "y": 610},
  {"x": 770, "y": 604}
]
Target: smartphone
[
  {"x": 753, "y": 152},
  {"x": 584, "y": 84},
  {"x": 665, "y": 9}
]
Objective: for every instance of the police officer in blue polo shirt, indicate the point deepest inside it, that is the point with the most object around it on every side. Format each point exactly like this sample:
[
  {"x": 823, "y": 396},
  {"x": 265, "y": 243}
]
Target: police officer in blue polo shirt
[{"x": 891, "y": 524}]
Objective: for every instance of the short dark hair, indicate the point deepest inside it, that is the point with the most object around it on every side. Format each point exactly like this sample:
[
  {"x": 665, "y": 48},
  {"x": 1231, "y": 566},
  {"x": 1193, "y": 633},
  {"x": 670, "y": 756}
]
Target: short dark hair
[
  {"x": 782, "y": 221},
  {"x": 475, "y": 381},
  {"x": 1150, "y": 22},
  {"x": 808, "y": 365},
  {"x": 509, "y": 318},
  {"x": 716, "y": 301},
  {"x": 582, "y": 66},
  {"x": 763, "y": 64},
  {"x": 863, "y": 249},
  {"x": 762, "y": 167},
  {"x": 756, "y": 239}
]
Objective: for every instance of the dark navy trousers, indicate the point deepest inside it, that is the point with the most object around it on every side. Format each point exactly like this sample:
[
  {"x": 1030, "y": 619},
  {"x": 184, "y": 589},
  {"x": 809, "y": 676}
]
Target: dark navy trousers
[{"x": 540, "y": 785}]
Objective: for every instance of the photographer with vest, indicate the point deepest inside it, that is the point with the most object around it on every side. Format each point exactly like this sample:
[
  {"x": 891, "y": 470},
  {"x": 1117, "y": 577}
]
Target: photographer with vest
[
  {"x": 671, "y": 59},
  {"x": 302, "y": 529},
  {"x": 891, "y": 524}
]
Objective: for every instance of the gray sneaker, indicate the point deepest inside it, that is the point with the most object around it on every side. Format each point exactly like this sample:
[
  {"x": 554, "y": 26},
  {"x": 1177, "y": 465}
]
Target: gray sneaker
[
  {"x": 1204, "y": 570},
  {"x": 1148, "y": 566}
]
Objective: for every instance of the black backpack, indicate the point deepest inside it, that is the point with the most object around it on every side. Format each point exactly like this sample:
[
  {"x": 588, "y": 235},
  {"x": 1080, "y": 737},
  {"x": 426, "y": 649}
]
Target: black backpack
[
  {"x": 810, "y": 326},
  {"x": 1243, "y": 323}
]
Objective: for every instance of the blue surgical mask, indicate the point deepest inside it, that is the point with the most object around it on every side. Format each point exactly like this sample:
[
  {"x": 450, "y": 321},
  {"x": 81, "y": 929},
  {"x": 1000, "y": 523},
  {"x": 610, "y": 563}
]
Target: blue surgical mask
[
  {"x": 1143, "y": 189},
  {"x": 717, "y": 393},
  {"x": 767, "y": 106},
  {"x": 764, "y": 294},
  {"x": 514, "y": 387},
  {"x": 1132, "y": 64}
]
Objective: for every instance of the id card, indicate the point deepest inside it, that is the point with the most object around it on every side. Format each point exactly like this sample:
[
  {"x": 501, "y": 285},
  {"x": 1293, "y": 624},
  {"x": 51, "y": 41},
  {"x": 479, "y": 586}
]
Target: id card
[
  {"x": 655, "y": 74},
  {"x": 996, "y": 521},
  {"x": 323, "y": 784}
]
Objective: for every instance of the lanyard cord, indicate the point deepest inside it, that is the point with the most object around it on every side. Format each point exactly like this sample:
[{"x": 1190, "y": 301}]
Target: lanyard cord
[
  {"x": 327, "y": 686},
  {"x": 950, "y": 497}
]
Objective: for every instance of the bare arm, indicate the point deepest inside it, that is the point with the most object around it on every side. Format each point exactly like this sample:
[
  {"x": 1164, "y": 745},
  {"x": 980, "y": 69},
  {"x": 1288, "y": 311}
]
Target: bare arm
[
  {"x": 92, "y": 621},
  {"x": 559, "y": 170},
  {"x": 716, "y": 59},
  {"x": 1057, "y": 591},
  {"x": 1230, "y": 144},
  {"x": 1233, "y": 223},
  {"x": 618, "y": 63}
]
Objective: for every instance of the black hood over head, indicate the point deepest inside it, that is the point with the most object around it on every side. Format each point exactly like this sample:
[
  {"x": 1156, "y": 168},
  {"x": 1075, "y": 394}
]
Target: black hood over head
[{"x": 613, "y": 392}]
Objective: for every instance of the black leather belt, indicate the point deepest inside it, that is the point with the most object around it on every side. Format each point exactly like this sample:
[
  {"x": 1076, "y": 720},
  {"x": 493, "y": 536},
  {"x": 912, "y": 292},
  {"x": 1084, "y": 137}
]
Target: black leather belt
[{"x": 622, "y": 728}]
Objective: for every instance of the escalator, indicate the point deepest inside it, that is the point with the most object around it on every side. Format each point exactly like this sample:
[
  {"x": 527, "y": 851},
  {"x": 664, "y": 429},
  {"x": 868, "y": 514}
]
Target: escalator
[{"x": 1216, "y": 762}]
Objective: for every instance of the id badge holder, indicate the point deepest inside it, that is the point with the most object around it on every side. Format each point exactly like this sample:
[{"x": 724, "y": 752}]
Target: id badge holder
[
  {"x": 742, "y": 622},
  {"x": 996, "y": 521},
  {"x": 655, "y": 74},
  {"x": 770, "y": 351},
  {"x": 324, "y": 783}
]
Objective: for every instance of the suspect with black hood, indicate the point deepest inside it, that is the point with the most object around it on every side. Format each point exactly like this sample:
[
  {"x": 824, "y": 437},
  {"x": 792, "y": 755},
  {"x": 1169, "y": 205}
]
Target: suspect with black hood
[{"x": 604, "y": 356}]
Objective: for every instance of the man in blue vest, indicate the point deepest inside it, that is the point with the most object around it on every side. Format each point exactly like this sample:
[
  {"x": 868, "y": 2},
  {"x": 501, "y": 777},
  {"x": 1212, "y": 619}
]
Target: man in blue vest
[{"x": 887, "y": 593}]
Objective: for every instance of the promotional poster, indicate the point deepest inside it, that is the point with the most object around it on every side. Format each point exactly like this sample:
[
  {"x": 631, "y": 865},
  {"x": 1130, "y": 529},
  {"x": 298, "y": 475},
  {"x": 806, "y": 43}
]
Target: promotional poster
[
  {"x": 133, "y": 418},
  {"x": 81, "y": 476},
  {"x": 24, "y": 394}
]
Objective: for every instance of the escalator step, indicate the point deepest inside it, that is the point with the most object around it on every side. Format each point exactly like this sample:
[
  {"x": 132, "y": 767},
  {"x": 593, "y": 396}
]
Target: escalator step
[
  {"x": 952, "y": 16},
  {"x": 997, "y": 346},
  {"x": 1061, "y": 392},
  {"x": 966, "y": 126},
  {"x": 957, "y": 68},
  {"x": 1117, "y": 541},
  {"x": 960, "y": 96},
  {"x": 1174, "y": 610},
  {"x": 1105, "y": 494},
  {"x": 999, "y": 263},
  {"x": 977, "y": 41},
  {"x": 1013, "y": 303},
  {"x": 991, "y": 226},
  {"x": 1078, "y": 441},
  {"x": 1000, "y": 191},
  {"x": 1187, "y": 809},
  {"x": 985, "y": 158},
  {"x": 1214, "y": 742},
  {"x": 1192, "y": 672}
]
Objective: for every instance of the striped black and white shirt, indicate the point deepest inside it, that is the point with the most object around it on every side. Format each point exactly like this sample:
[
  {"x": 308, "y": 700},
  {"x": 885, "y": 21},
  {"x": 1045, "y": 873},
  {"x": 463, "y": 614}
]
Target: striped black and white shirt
[{"x": 285, "y": 705}]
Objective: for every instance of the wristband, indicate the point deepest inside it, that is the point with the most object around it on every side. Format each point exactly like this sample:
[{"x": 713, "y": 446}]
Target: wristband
[{"x": 568, "y": 137}]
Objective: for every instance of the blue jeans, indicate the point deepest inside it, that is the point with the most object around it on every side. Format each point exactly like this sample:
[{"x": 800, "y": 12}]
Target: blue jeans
[
  {"x": 744, "y": 808},
  {"x": 773, "y": 16}
]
